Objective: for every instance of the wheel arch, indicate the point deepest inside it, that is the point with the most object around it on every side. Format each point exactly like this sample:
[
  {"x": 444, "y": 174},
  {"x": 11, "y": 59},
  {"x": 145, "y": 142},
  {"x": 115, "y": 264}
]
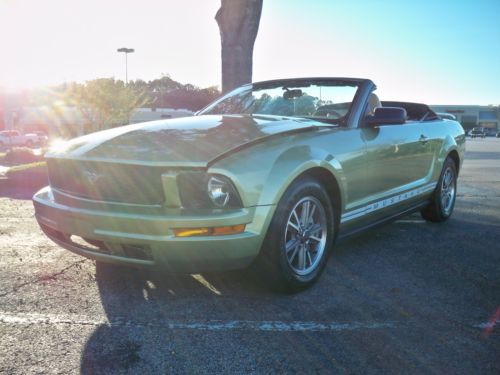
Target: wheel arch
[
  {"x": 451, "y": 148},
  {"x": 453, "y": 154},
  {"x": 329, "y": 182}
]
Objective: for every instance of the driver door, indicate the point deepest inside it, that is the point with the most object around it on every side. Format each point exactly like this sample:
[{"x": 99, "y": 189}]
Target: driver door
[{"x": 396, "y": 157}]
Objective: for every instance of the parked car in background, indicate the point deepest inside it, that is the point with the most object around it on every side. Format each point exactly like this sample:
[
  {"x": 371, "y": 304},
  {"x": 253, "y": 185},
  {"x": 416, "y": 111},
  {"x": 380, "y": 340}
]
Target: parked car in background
[
  {"x": 446, "y": 116},
  {"x": 489, "y": 132},
  {"x": 41, "y": 137},
  {"x": 271, "y": 174},
  {"x": 16, "y": 138},
  {"x": 477, "y": 133}
]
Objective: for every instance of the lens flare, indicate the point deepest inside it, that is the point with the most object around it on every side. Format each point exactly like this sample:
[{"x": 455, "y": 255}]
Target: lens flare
[{"x": 58, "y": 146}]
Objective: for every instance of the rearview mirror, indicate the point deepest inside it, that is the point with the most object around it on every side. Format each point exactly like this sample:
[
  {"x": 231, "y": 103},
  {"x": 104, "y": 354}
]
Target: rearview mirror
[
  {"x": 292, "y": 94},
  {"x": 387, "y": 116}
]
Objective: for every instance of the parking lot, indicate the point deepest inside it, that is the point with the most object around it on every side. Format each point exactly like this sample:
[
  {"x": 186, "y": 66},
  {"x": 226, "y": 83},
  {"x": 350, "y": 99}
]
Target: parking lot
[{"x": 408, "y": 297}]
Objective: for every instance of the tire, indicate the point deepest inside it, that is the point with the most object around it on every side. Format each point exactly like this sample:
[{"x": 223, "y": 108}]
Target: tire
[
  {"x": 443, "y": 199},
  {"x": 308, "y": 245},
  {"x": 29, "y": 144}
]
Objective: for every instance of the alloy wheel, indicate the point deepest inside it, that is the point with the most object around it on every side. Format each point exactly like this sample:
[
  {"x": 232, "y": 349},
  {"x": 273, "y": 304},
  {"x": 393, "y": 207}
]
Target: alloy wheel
[
  {"x": 448, "y": 190},
  {"x": 305, "y": 235}
]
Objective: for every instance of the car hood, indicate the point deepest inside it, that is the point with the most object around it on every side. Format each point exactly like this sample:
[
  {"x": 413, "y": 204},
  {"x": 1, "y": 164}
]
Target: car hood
[{"x": 193, "y": 141}]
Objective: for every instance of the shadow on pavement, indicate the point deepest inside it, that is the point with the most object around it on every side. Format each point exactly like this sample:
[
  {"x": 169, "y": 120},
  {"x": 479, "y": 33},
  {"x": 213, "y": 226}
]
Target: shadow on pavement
[
  {"x": 20, "y": 189},
  {"x": 136, "y": 303},
  {"x": 409, "y": 272}
]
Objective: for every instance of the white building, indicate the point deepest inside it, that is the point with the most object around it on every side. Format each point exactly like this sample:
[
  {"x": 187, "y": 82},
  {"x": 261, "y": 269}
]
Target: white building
[
  {"x": 152, "y": 114},
  {"x": 473, "y": 115}
]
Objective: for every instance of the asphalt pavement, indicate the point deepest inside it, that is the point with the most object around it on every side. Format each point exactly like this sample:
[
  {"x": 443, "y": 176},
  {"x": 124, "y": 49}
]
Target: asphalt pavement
[{"x": 409, "y": 297}]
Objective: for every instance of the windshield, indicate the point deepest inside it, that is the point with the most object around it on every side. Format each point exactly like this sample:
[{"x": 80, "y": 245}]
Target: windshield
[{"x": 329, "y": 102}]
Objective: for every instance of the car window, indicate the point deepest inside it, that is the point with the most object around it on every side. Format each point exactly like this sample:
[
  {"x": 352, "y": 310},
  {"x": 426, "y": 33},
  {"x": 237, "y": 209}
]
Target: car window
[{"x": 311, "y": 100}]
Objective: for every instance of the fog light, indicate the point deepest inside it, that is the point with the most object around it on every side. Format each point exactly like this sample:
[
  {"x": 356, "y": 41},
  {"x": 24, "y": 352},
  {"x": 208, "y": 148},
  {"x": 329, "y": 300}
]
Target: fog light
[{"x": 214, "y": 231}]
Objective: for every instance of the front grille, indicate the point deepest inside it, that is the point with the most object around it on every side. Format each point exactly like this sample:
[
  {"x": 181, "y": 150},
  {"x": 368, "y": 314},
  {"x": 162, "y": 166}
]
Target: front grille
[{"x": 110, "y": 182}]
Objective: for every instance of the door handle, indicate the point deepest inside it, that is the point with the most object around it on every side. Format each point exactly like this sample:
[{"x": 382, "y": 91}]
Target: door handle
[{"x": 423, "y": 139}]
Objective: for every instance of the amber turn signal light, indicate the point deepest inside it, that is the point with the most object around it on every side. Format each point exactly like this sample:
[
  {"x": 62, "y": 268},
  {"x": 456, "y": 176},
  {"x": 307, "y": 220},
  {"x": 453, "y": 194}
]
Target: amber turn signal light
[{"x": 211, "y": 231}]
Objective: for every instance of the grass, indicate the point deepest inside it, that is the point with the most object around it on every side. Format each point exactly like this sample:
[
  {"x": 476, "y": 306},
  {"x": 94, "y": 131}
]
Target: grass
[{"x": 37, "y": 168}]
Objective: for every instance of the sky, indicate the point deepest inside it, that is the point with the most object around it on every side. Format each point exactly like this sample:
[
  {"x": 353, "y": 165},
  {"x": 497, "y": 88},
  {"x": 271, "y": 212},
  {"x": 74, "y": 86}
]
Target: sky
[{"x": 437, "y": 52}]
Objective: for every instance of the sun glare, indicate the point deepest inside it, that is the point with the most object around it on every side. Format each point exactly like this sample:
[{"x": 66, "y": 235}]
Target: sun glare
[{"x": 58, "y": 145}]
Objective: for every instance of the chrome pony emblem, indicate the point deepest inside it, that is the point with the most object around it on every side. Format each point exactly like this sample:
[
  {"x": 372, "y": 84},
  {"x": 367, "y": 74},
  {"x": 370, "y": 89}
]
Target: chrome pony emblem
[{"x": 92, "y": 177}]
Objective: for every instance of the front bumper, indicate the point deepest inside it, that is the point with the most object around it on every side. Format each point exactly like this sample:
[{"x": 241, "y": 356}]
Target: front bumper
[{"x": 140, "y": 239}]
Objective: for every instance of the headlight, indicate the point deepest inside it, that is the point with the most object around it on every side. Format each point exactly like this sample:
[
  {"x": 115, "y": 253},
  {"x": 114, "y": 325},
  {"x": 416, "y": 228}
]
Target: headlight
[
  {"x": 204, "y": 191},
  {"x": 219, "y": 191}
]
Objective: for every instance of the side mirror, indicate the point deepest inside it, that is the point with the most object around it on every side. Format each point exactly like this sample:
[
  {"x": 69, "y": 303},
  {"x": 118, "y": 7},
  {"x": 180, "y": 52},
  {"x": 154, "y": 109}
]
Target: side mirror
[{"x": 387, "y": 116}]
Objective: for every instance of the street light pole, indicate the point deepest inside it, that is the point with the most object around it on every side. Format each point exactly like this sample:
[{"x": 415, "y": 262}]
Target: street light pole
[{"x": 126, "y": 51}]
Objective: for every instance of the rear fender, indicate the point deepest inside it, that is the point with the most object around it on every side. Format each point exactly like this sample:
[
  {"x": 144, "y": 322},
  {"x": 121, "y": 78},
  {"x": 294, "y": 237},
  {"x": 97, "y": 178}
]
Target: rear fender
[{"x": 449, "y": 145}]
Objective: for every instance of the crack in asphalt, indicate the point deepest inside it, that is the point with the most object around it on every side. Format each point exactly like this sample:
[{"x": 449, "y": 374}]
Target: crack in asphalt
[{"x": 53, "y": 276}]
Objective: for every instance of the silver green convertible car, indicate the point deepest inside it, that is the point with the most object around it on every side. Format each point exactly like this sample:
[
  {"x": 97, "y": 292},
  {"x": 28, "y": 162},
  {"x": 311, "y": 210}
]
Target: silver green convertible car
[{"x": 270, "y": 174}]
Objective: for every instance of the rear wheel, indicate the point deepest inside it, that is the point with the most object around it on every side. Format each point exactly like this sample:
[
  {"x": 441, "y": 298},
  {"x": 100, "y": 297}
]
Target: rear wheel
[
  {"x": 299, "y": 238},
  {"x": 443, "y": 199}
]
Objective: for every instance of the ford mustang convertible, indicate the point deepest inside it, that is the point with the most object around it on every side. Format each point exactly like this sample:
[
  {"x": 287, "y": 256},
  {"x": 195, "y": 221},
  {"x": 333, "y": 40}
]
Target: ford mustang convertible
[{"x": 269, "y": 175}]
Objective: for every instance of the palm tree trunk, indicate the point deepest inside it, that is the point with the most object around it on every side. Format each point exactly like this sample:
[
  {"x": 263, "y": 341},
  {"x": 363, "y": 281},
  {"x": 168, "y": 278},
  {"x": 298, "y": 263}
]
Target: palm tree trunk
[{"x": 238, "y": 22}]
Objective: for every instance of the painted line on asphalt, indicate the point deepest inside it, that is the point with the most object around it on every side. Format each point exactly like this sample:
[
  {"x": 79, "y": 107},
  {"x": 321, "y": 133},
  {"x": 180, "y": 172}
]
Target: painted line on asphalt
[
  {"x": 487, "y": 324},
  {"x": 403, "y": 221},
  {"x": 210, "y": 325}
]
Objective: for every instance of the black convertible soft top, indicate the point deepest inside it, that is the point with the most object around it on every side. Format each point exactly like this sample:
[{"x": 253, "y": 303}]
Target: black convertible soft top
[{"x": 415, "y": 111}]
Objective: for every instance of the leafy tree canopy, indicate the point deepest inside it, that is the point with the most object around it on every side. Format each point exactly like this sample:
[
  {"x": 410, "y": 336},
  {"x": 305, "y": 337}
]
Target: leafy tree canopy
[{"x": 105, "y": 102}]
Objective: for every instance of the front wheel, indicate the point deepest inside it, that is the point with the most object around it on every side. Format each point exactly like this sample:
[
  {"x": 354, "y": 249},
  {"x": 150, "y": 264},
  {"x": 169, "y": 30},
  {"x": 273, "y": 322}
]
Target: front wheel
[
  {"x": 443, "y": 199},
  {"x": 300, "y": 237}
]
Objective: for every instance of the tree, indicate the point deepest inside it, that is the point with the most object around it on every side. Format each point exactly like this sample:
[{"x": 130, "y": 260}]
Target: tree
[
  {"x": 238, "y": 22},
  {"x": 104, "y": 102}
]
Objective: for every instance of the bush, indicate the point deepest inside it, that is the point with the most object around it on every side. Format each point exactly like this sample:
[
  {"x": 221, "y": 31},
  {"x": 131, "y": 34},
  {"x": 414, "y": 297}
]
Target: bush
[{"x": 21, "y": 155}]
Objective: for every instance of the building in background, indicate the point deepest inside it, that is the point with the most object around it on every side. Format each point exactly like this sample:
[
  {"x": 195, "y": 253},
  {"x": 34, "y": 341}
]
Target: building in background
[
  {"x": 471, "y": 116},
  {"x": 10, "y": 109},
  {"x": 55, "y": 121},
  {"x": 152, "y": 114}
]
